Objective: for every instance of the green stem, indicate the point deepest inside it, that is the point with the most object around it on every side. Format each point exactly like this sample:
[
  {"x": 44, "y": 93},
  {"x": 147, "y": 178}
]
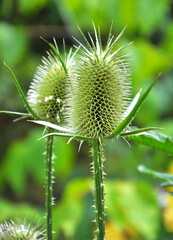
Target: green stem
[
  {"x": 49, "y": 199},
  {"x": 99, "y": 189}
]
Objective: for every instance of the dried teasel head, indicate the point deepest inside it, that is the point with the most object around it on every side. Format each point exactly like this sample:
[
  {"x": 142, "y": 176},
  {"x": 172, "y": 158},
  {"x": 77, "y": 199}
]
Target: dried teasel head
[
  {"x": 48, "y": 91},
  {"x": 20, "y": 231},
  {"x": 101, "y": 89}
]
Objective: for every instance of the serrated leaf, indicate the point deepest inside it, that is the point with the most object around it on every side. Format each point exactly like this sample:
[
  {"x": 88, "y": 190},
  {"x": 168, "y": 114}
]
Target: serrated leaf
[
  {"x": 134, "y": 111},
  {"x": 156, "y": 140},
  {"x": 168, "y": 178},
  {"x": 22, "y": 94}
]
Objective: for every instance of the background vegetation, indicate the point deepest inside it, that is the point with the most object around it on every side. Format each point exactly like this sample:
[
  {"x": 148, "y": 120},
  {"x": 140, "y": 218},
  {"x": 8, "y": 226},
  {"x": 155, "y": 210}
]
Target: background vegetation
[{"x": 137, "y": 207}]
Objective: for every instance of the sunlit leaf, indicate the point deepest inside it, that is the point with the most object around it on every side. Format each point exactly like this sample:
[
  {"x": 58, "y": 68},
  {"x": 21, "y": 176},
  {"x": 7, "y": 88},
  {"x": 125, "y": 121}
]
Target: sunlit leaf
[
  {"x": 132, "y": 104},
  {"x": 138, "y": 131},
  {"x": 168, "y": 178},
  {"x": 134, "y": 204},
  {"x": 156, "y": 140},
  {"x": 53, "y": 126},
  {"x": 134, "y": 111},
  {"x": 17, "y": 113}
]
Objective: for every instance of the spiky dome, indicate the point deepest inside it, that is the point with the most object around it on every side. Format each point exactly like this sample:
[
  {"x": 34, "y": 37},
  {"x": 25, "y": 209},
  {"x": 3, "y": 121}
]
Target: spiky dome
[
  {"x": 19, "y": 231},
  {"x": 48, "y": 91},
  {"x": 101, "y": 90}
]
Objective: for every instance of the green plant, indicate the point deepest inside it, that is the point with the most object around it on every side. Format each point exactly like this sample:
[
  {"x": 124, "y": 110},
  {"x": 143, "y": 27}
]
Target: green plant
[
  {"x": 91, "y": 105},
  {"x": 47, "y": 100},
  {"x": 99, "y": 108},
  {"x": 11, "y": 230}
]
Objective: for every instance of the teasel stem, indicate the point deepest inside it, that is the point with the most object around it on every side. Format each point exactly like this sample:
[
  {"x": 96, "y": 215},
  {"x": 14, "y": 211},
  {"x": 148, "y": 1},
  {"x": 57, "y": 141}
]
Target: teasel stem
[
  {"x": 97, "y": 150},
  {"x": 49, "y": 183}
]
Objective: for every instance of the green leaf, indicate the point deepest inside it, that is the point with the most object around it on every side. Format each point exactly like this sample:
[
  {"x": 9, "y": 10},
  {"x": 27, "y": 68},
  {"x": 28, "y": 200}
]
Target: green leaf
[
  {"x": 168, "y": 178},
  {"x": 17, "y": 113},
  {"x": 156, "y": 140},
  {"x": 51, "y": 125},
  {"x": 134, "y": 111},
  {"x": 66, "y": 132},
  {"x": 55, "y": 50},
  {"x": 80, "y": 138},
  {"x": 22, "y": 94},
  {"x": 138, "y": 131}
]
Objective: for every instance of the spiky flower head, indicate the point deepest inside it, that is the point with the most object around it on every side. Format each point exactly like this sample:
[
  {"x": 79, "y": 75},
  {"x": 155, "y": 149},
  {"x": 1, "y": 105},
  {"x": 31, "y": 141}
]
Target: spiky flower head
[
  {"x": 19, "y": 231},
  {"x": 101, "y": 89},
  {"x": 48, "y": 91}
]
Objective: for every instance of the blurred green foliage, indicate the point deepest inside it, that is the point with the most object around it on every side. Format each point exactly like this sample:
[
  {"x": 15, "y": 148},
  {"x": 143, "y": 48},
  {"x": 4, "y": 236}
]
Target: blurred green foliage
[{"x": 134, "y": 209}]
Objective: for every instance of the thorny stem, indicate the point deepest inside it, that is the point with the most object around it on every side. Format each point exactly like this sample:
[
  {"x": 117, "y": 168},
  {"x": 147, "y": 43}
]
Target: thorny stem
[
  {"x": 99, "y": 189},
  {"x": 49, "y": 198}
]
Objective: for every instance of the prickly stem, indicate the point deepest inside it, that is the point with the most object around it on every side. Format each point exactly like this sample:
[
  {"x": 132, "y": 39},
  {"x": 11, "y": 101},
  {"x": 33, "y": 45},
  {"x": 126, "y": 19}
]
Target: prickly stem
[
  {"x": 99, "y": 189},
  {"x": 49, "y": 183}
]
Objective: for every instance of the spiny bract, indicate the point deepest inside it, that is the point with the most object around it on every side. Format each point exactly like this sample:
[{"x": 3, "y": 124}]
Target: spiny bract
[
  {"x": 12, "y": 231},
  {"x": 101, "y": 89},
  {"x": 48, "y": 91}
]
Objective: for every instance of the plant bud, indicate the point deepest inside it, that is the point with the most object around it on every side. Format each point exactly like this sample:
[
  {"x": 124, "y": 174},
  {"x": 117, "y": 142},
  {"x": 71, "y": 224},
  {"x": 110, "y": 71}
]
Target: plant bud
[
  {"x": 48, "y": 91},
  {"x": 100, "y": 91},
  {"x": 12, "y": 231}
]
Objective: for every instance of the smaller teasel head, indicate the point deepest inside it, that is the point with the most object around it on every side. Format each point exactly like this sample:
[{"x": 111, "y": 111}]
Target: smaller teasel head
[
  {"x": 20, "y": 231},
  {"x": 101, "y": 90},
  {"x": 48, "y": 91}
]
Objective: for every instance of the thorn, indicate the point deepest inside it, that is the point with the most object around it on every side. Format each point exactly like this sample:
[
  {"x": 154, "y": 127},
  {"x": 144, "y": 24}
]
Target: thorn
[
  {"x": 44, "y": 40},
  {"x": 80, "y": 145},
  {"x": 70, "y": 140}
]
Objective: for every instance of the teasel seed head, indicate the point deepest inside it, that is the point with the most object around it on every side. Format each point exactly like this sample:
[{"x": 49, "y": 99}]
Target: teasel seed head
[
  {"x": 101, "y": 90},
  {"x": 20, "y": 231},
  {"x": 48, "y": 91}
]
